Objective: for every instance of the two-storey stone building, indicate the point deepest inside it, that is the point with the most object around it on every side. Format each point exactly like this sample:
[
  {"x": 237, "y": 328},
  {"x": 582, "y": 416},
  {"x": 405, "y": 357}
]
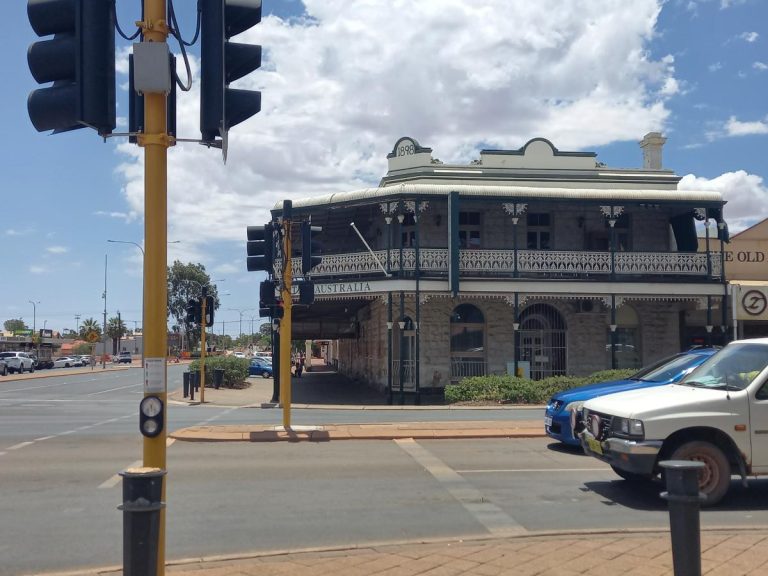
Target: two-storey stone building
[{"x": 532, "y": 261}]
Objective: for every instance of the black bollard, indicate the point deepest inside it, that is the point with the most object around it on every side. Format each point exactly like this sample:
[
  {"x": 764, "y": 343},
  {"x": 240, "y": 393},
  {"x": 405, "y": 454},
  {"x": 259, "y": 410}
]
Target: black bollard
[
  {"x": 683, "y": 495},
  {"x": 142, "y": 503},
  {"x": 192, "y": 386},
  {"x": 185, "y": 384},
  {"x": 218, "y": 377}
]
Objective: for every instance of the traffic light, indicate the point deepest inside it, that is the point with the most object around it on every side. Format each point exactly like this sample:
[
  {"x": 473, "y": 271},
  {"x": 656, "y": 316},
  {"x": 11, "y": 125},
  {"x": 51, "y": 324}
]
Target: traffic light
[
  {"x": 309, "y": 246},
  {"x": 209, "y": 306},
  {"x": 193, "y": 311},
  {"x": 151, "y": 416},
  {"x": 223, "y": 62},
  {"x": 260, "y": 248},
  {"x": 306, "y": 292},
  {"x": 79, "y": 60}
]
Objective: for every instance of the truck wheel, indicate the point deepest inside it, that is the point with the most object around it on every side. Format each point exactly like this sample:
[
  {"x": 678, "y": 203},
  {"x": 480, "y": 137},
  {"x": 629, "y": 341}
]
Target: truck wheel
[
  {"x": 629, "y": 476},
  {"x": 715, "y": 478}
]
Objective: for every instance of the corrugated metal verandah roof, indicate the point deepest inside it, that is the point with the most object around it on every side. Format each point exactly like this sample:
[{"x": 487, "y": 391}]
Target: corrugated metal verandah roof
[{"x": 409, "y": 191}]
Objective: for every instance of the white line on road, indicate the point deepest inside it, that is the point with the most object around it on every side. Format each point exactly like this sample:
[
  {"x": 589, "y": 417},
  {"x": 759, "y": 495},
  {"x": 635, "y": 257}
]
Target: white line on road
[
  {"x": 20, "y": 445},
  {"x": 113, "y": 389},
  {"x": 532, "y": 470},
  {"x": 495, "y": 520},
  {"x": 114, "y": 480}
]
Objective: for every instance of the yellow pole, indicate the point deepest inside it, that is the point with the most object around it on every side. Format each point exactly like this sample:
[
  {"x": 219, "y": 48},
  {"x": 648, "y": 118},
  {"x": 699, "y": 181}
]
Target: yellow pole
[
  {"x": 202, "y": 347},
  {"x": 285, "y": 328},
  {"x": 155, "y": 142}
]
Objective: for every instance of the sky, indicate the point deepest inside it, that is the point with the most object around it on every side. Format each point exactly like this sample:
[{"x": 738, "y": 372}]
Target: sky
[{"x": 341, "y": 81}]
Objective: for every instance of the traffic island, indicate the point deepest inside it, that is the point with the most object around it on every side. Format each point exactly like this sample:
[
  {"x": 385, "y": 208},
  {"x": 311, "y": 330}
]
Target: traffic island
[{"x": 393, "y": 431}]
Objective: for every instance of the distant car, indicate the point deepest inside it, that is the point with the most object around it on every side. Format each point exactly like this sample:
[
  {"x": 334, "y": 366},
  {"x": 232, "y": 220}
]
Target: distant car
[
  {"x": 239, "y": 354},
  {"x": 67, "y": 362},
  {"x": 3, "y": 367},
  {"x": 18, "y": 362},
  {"x": 124, "y": 358},
  {"x": 260, "y": 367},
  {"x": 563, "y": 408},
  {"x": 86, "y": 359}
]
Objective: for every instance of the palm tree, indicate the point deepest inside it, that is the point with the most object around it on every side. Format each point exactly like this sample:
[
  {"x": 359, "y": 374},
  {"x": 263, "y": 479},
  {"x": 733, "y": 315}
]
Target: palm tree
[
  {"x": 89, "y": 325},
  {"x": 116, "y": 329}
]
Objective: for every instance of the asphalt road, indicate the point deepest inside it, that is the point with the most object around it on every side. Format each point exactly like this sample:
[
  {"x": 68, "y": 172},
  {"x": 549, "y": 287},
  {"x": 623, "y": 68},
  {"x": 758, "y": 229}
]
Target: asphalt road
[{"x": 63, "y": 439}]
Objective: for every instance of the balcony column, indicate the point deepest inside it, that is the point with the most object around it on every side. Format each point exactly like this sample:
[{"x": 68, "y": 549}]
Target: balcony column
[
  {"x": 389, "y": 348},
  {"x": 709, "y": 321},
  {"x": 721, "y": 233},
  {"x": 401, "y": 325},
  {"x": 613, "y": 331},
  {"x": 709, "y": 254},
  {"x": 515, "y": 210},
  {"x": 419, "y": 207},
  {"x": 516, "y": 333},
  {"x": 388, "y": 208},
  {"x": 612, "y": 213}
]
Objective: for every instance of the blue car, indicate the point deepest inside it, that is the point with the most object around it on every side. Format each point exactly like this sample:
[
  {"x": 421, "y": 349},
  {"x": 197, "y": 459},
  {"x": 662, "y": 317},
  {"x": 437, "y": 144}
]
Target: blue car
[
  {"x": 260, "y": 367},
  {"x": 563, "y": 407}
]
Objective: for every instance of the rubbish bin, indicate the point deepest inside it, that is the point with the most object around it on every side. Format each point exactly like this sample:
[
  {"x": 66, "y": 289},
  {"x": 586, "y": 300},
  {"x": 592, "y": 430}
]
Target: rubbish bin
[
  {"x": 218, "y": 377},
  {"x": 185, "y": 385}
]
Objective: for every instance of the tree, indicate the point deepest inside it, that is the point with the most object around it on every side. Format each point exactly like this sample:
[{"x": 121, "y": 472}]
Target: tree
[
  {"x": 115, "y": 330},
  {"x": 185, "y": 281},
  {"x": 15, "y": 324},
  {"x": 89, "y": 325}
]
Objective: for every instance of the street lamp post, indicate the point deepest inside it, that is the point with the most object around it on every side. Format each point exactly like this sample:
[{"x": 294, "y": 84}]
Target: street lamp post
[
  {"x": 143, "y": 320},
  {"x": 34, "y": 314}
]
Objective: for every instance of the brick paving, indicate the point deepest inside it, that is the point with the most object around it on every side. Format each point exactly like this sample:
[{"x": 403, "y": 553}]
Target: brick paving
[{"x": 645, "y": 553}]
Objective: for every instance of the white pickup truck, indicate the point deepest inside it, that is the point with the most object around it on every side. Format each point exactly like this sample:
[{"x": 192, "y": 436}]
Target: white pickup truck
[{"x": 718, "y": 415}]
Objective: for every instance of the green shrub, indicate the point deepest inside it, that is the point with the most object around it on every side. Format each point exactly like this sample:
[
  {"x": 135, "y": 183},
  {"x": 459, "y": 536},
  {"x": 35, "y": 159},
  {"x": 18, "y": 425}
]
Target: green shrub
[
  {"x": 509, "y": 389},
  {"x": 235, "y": 370}
]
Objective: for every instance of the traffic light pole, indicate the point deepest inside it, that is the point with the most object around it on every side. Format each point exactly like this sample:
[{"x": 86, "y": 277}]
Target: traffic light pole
[
  {"x": 285, "y": 322},
  {"x": 155, "y": 142},
  {"x": 203, "y": 348}
]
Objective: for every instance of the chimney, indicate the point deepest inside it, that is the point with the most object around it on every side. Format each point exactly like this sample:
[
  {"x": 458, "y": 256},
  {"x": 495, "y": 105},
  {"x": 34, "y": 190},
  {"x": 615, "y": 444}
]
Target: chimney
[{"x": 652, "y": 143}]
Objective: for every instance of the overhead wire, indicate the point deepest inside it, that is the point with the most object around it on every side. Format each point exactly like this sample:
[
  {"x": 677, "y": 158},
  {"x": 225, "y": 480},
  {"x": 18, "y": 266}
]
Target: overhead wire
[{"x": 176, "y": 33}]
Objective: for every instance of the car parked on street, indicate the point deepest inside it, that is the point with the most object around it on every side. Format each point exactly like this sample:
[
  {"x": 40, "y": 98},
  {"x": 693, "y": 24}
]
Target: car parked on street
[
  {"x": 561, "y": 417},
  {"x": 260, "y": 367},
  {"x": 19, "y": 362},
  {"x": 125, "y": 357},
  {"x": 67, "y": 362},
  {"x": 717, "y": 415}
]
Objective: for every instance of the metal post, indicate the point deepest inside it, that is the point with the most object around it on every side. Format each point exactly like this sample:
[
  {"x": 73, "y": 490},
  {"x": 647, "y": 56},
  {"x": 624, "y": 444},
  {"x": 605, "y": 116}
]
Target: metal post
[
  {"x": 276, "y": 375},
  {"x": 155, "y": 141},
  {"x": 285, "y": 322},
  {"x": 142, "y": 508},
  {"x": 104, "y": 326},
  {"x": 203, "y": 347},
  {"x": 682, "y": 493},
  {"x": 389, "y": 347},
  {"x": 401, "y": 338}
]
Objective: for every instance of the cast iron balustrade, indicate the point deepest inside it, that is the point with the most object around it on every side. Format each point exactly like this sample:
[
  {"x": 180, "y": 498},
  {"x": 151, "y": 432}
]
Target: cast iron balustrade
[
  {"x": 466, "y": 368},
  {"x": 530, "y": 263}
]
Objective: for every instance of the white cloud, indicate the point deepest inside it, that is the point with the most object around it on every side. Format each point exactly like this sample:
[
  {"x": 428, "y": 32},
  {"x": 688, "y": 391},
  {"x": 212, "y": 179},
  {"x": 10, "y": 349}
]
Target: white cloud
[
  {"x": 715, "y": 67},
  {"x": 37, "y": 269},
  {"x": 749, "y": 36},
  {"x": 15, "y": 232},
  {"x": 127, "y": 216},
  {"x": 735, "y": 127},
  {"x": 57, "y": 249},
  {"x": 746, "y": 194},
  {"x": 760, "y": 66},
  {"x": 340, "y": 85}
]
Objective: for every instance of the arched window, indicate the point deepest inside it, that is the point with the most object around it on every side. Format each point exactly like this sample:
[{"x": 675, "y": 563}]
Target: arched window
[
  {"x": 467, "y": 342},
  {"x": 628, "y": 353}
]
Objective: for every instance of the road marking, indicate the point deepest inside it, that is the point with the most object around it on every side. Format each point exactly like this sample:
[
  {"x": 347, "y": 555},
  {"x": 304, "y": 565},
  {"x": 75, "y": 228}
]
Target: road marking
[
  {"x": 43, "y": 438},
  {"x": 20, "y": 445},
  {"x": 2, "y": 453},
  {"x": 495, "y": 520},
  {"x": 531, "y": 470},
  {"x": 113, "y": 389},
  {"x": 114, "y": 480}
]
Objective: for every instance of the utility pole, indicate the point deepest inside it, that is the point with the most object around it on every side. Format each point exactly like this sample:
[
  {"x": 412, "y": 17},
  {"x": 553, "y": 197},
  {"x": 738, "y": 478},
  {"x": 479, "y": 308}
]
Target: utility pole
[
  {"x": 77, "y": 323},
  {"x": 155, "y": 141}
]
